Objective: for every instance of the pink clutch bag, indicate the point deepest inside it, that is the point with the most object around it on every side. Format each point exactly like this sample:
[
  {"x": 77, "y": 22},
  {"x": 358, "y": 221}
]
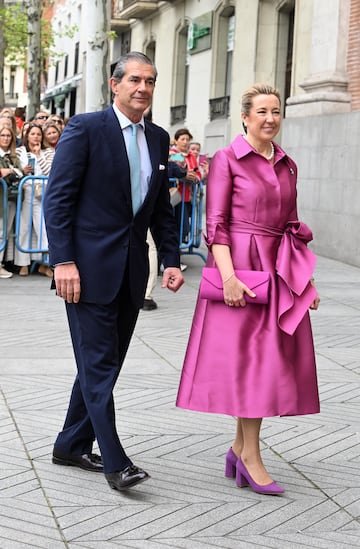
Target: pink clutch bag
[{"x": 211, "y": 286}]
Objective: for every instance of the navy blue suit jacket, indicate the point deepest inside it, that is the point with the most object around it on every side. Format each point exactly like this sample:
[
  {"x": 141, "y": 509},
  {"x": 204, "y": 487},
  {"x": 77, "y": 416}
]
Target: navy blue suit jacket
[{"x": 88, "y": 211}]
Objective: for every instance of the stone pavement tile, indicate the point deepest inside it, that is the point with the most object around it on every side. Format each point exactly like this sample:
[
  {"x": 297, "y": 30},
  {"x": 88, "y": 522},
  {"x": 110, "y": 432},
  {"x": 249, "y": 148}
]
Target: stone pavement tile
[
  {"x": 149, "y": 379},
  {"x": 329, "y": 371},
  {"x": 189, "y": 482},
  {"x": 179, "y": 421},
  {"x": 301, "y": 540},
  {"x": 106, "y": 523},
  {"x": 30, "y": 525},
  {"x": 348, "y": 357},
  {"x": 152, "y": 521},
  {"x": 150, "y": 363},
  {"x": 11, "y": 538},
  {"x": 328, "y": 475},
  {"x": 319, "y": 443},
  {"x": 12, "y": 458},
  {"x": 296, "y": 541},
  {"x": 294, "y": 516},
  {"x": 349, "y": 499},
  {"x": 18, "y": 481},
  {"x": 146, "y": 397},
  {"x": 32, "y": 366}
]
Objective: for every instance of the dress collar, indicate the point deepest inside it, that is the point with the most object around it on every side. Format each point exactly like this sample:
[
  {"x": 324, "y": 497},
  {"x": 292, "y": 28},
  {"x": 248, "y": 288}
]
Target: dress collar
[{"x": 242, "y": 148}]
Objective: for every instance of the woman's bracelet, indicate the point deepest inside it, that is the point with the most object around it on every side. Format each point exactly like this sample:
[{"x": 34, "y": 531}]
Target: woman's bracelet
[{"x": 228, "y": 278}]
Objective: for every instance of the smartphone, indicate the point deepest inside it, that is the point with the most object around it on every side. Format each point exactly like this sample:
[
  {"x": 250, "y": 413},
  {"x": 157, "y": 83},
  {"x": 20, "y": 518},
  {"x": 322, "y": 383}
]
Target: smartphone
[
  {"x": 203, "y": 158},
  {"x": 31, "y": 163},
  {"x": 177, "y": 157}
]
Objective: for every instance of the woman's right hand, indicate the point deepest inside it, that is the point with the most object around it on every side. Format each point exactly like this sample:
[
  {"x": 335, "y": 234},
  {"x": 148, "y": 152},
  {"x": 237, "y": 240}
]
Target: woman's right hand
[
  {"x": 191, "y": 175},
  {"x": 28, "y": 170},
  {"x": 36, "y": 149}
]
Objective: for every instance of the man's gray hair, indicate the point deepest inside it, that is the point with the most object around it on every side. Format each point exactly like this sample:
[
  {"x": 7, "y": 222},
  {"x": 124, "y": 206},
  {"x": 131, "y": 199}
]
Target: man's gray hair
[{"x": 137, "y": 56}]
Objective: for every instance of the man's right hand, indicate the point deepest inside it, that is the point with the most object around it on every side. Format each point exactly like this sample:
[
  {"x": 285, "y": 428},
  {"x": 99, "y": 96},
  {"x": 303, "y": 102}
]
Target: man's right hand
[{"x": 67, "y": 281}]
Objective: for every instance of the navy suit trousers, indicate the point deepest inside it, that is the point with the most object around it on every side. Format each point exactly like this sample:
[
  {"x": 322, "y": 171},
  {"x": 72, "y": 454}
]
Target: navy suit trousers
[{"x": 100, "y": 335}]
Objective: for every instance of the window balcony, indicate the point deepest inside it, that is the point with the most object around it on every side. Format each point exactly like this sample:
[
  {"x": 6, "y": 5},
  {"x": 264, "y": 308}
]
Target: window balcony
[
  {"x": 135, "y": 9},
  {"x": 219, "y": 107},
  {"x": 177, "y": 114}
]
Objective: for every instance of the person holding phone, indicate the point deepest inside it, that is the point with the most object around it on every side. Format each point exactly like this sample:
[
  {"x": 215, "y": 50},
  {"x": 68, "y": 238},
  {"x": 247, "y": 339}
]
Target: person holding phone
[
  {"x": 35, "y": 159},
  {"x": 202, "y": 160},
  {"x": 11, "y": 172},
  {"x": 180, "y": 149}
]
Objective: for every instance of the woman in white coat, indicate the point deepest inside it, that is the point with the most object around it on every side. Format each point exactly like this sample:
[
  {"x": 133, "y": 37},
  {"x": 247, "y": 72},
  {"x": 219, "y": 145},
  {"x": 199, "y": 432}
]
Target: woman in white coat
[{"x": 33, "y": 153}]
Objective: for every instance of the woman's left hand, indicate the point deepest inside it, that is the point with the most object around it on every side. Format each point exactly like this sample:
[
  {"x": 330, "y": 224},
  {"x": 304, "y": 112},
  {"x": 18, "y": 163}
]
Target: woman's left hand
[
  {"x": 315, "y": 304},
  {"x": 205, "y": 169},
  {"x": 234, "y": 291}
]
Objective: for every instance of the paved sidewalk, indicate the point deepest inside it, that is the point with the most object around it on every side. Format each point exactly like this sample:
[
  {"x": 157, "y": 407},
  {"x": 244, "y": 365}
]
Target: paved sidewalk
[{"x": 187, "y": 503}]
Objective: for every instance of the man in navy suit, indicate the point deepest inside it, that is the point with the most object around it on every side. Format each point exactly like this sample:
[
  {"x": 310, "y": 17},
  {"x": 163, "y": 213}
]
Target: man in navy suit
[{"x": 97, "y": 244}]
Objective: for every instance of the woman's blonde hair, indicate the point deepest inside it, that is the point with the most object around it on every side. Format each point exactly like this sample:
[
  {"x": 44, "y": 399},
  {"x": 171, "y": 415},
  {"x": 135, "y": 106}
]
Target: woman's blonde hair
[
  {"x": 253, "y": 91},
  {"x": 12, "y": 146}
]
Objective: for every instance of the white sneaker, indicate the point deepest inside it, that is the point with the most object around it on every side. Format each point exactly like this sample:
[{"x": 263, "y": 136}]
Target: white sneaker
[
  {"x": 4, "y": 273},
  {"x": 183, "y": 267}
]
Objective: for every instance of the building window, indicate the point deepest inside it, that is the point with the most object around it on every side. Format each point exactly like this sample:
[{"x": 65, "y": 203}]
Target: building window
[
  {"x": 289, "y": 55},
  {"x": 150, "y": 51},
  {"x": 66, "y": 65},
  {"x": 76, "y": 58},
  {"x": 284, "y": 53},
  {"x": 224, "y": 23},
  {"x": 180, "y": 77}
]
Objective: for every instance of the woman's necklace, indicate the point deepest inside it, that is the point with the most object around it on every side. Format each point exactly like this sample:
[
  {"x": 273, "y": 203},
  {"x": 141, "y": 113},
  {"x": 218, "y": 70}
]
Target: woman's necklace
[
  {"x": 271, "y": 155},
  {"x": 272, "y": 152}
]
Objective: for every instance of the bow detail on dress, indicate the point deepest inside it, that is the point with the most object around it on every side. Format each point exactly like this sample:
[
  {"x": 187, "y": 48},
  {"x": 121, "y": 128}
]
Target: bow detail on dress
[{"x": 294, "y": 265}]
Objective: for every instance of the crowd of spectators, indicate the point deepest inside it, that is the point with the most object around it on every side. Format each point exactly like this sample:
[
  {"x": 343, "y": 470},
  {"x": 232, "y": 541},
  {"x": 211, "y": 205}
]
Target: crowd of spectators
[{"x": 27, "y": 147}]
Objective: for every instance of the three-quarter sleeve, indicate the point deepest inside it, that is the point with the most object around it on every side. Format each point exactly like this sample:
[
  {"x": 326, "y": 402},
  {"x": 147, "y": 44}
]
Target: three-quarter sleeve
[{"x": 218, "y": 200}]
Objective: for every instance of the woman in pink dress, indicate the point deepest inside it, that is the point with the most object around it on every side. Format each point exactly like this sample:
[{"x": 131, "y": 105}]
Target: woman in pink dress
[{"x": 249, "y": 360}]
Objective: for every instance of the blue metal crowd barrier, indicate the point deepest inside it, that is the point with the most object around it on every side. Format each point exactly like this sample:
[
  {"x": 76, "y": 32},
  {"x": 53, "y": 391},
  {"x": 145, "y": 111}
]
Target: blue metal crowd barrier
[
  {"x": 3, "y": 212},
  {"x": 37, "y": 195},
  {"x": 190, "y": 242}
]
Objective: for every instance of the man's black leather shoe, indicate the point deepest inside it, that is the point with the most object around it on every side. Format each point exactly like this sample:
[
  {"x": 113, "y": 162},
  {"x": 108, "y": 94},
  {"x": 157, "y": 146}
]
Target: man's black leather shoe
[
  {"x": 149, "y": 305},
  {"x": 89, "y": 462},
  {"x": 126, "y": 478}
]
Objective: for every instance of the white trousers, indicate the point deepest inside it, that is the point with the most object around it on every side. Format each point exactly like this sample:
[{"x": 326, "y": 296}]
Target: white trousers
[
  {"x": 32, "y": 231},
  {"x": 5, "y": 231},
  {"x": 153, "y": 266}
]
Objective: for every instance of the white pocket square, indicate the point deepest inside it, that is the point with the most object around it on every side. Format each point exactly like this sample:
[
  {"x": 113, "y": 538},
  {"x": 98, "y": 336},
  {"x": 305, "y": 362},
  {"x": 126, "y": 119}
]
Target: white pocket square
[{"x": 161, "y": 167}]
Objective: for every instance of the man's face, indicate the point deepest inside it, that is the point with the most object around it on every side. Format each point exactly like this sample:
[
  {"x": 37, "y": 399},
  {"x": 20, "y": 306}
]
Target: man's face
[
  {"x": 133, "y": 94},
  {"x": 41, "y": 117}
]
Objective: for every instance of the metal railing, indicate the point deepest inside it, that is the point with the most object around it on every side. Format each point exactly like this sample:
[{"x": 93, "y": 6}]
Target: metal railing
[{"x": 190, "y": 241}]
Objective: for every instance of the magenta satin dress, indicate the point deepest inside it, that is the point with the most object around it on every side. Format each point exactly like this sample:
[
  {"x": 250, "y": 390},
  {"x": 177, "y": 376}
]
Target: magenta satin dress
[{"x": 256, "y": 361}]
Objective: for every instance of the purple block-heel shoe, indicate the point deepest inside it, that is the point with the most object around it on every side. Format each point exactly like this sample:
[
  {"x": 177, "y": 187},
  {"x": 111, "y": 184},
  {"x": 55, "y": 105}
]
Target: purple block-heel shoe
[
  {"x": 243, "y": 478},
  {"x": 230, "y": 464},
  {"x": 230, "y": 467}
]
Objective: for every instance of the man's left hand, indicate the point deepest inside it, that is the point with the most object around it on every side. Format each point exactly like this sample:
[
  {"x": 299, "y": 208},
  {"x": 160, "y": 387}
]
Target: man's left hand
[{"x": 172, "y": 279}]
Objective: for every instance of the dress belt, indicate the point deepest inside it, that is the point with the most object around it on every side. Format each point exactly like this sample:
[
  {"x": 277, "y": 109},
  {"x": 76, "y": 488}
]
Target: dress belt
[{"x": 294, "y": 267}]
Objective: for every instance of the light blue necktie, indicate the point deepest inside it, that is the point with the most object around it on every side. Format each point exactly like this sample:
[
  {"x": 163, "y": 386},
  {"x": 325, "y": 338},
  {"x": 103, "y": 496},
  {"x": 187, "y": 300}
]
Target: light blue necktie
[{"x": 134, "y": 162}]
